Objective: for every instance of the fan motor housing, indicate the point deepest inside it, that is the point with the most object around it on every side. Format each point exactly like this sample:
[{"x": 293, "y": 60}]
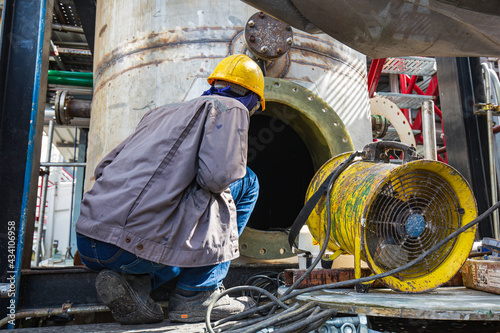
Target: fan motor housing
[{"x": 389, "y": 214}]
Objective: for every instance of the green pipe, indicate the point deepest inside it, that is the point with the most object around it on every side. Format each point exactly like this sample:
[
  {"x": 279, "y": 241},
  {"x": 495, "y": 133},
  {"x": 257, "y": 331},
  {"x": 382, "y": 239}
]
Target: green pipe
[
  {"x": 70, "y": 81},
  {"x": 76, "y": 75},
  {"x": 81, "y": 79}
]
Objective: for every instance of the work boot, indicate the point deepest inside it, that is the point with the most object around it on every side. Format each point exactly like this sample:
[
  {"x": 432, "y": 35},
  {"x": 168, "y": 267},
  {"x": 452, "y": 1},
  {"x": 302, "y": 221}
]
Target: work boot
[
  {"x": 127, "y": 296},
  {"x": 192, "y": 309}
]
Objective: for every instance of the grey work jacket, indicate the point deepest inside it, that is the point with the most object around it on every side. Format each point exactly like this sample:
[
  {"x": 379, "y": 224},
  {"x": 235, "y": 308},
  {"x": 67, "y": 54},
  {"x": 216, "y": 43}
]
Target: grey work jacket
[{"x": 163, "y": 192}]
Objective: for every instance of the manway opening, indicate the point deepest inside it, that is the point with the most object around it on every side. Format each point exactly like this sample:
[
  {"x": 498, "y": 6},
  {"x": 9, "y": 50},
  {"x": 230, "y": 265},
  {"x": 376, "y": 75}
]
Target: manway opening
[
  {"x": 283, "y": 164},
  {"x": 287, "y": 143}
]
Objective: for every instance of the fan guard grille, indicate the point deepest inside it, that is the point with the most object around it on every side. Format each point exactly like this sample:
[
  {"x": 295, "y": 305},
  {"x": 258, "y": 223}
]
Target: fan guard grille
[{"x": 410, "y": 214}]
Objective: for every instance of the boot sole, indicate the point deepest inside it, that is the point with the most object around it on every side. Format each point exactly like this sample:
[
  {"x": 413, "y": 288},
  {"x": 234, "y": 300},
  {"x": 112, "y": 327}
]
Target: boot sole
[{"x": 122, "y": 300}]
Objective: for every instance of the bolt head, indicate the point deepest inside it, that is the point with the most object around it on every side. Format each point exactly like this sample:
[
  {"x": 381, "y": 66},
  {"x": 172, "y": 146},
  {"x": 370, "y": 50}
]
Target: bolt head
[
  {"x": 263, "y": 49},
  {"x": 261, "y": 14},
  {"x": 251, "y": 23},
  {"x": 289, "y": 40},
  {"x": 280, "y": 51},
  {"x": 252, "y": 38}
]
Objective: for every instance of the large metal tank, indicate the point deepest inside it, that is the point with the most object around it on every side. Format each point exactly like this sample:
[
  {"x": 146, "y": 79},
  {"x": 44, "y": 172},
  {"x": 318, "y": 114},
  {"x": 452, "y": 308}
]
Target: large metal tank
[{"x": 151, "y": 52}]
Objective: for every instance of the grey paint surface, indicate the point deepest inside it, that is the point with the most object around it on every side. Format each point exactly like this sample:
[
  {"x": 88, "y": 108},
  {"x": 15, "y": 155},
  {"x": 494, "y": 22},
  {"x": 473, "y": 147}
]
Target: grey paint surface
[{"x": 382, "y": 29}]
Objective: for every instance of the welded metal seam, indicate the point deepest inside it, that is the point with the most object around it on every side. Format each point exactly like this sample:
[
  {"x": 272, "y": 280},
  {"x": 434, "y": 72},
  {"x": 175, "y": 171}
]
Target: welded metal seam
[
  {"x": 117, "y": 55},
  {"x": 150, "y": 63}
]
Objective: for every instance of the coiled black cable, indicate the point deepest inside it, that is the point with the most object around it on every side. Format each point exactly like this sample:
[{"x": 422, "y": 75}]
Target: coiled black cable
[{"x": 269, "y": 281}]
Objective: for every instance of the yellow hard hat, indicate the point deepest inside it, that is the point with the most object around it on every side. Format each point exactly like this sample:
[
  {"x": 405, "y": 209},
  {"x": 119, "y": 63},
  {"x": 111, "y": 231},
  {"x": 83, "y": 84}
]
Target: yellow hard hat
[{"x": 243, "y": 71}]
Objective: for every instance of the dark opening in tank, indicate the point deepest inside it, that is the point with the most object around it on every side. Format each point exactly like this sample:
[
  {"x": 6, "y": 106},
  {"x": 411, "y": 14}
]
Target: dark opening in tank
[{"x": 283, "y": 164}]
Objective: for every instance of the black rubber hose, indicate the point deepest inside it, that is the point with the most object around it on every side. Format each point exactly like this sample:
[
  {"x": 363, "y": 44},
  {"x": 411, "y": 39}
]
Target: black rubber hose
[
  {"x": 314, "y": 311},
  {"x": 336, "y": 173},
  {"x": 231, "y": 327},
  {"x": 276, "y": 319},
  {"x": 321, "y": 317},
  {"x": 244, "y": 314}
]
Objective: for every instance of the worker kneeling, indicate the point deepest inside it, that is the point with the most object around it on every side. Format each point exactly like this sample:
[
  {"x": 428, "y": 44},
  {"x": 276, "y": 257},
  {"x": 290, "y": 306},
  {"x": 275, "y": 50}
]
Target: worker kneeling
[{"x": 171, "y": 200}]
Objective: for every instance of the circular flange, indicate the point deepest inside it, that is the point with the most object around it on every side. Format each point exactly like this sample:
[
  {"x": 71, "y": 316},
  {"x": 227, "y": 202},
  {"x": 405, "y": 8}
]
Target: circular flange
[
  {"x": 383, "y": 107},
  {"x": 274, "y": 68},
  {"x": 266, "y": 37},
  {"x": 60, "y": 109},
  {"x": 322, "y": 131}
]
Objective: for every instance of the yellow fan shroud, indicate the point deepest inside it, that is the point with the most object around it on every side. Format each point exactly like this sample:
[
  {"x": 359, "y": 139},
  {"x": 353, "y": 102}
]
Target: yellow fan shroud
[{"x": 388, "y": 214}]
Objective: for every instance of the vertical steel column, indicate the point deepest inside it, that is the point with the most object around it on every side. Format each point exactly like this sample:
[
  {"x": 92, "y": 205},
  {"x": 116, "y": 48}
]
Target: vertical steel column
[
  {"x": 80, "y": 177},
  {"x": 24, "y": 58},
  {"x": 429, "y": 130},
  {"x": 491, "y": 148},
  {"x": 43, "y": 197},
  {"x": 460, "y": 87}
]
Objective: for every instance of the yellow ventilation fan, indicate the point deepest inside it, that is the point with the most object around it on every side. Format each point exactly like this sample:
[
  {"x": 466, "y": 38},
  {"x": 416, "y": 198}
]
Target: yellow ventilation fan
[{"x": 389, "y": 214}]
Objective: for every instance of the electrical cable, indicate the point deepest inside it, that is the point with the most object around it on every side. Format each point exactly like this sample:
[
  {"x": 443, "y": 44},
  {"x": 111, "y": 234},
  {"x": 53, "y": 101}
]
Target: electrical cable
[
  {"x": 249, "y": 322},
  {"x": 316, "y": 320},
  {"x": 290, "y": 293},
  {"x": 269, "y": 281},
  {"x": 336, "y": 172},
  {"x": 236, "y": 289},
  {"x": 275, "y": 320}
]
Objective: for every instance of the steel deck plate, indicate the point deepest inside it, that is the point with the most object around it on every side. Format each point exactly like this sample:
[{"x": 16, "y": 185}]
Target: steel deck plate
[
  {"x": 406, "y": 101},
  {"x": 453, "y": 303},
  {"x": 410, "y": 66}
]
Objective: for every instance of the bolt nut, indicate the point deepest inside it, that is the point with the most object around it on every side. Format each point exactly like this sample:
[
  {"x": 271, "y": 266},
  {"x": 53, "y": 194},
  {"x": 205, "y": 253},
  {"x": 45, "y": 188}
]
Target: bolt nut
[
  {"x": 289, "y": 40},
  {"x": 263, "y": 49},
  {"x": 280, "y": 51},
  {"x": 252, "y": 38},
  {"x": 261, "y": 14},
  {"x": 251, "y": 23}
]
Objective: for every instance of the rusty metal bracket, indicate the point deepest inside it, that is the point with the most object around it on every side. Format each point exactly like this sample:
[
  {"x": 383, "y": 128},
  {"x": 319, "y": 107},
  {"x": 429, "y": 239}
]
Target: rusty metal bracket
[
  {"x": 494, "y": 246},
  {"x": 481, "y": 109},
  {"x": 379, "y": 151}
]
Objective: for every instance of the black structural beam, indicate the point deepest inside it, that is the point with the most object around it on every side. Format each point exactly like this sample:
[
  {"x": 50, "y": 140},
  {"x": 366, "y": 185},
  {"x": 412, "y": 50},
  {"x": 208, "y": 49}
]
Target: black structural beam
[
  {"x": 21, "y": 96},
  {"x": 460, "y": 87}
]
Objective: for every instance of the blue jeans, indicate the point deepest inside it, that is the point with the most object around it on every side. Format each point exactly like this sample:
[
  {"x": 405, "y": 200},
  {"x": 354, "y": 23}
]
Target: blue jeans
[{"x": 98, "y": 255}]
